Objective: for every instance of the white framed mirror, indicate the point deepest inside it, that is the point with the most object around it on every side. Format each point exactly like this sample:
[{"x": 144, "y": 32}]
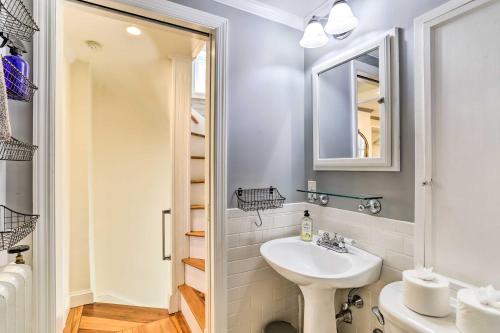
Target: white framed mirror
[{"x": 356, "y": 108}]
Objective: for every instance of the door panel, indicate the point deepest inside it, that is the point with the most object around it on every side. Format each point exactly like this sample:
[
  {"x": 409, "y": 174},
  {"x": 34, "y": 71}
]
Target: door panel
[{"x": 465, "y": 117}]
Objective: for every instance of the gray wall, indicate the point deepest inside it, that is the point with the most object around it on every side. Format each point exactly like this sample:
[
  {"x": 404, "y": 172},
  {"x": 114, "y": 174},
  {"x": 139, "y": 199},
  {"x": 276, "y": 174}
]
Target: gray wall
[
  {"x": 19, "y": 174},
  {"x": 266, "y": 119},
  {"x": 335, "y": 113},
  {"x": 265, "y": 110},
  {"x": 16, "y": 177},
  {"x": 265, "y": 102},
  {"x": 396, "y": 187}
]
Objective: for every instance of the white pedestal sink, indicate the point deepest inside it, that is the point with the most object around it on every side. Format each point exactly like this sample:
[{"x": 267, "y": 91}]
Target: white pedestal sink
[{"x": 319, "y": 272}]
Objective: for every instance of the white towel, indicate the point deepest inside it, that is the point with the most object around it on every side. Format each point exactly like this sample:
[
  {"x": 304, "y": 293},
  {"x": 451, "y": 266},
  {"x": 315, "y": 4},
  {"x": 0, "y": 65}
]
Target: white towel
[
  {"x": 488, "y": 296},
  {"x": 5, "y": 130}
]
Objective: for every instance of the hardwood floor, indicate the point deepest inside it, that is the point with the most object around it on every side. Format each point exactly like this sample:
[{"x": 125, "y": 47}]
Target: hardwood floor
[{"x": 106, "y": 318}]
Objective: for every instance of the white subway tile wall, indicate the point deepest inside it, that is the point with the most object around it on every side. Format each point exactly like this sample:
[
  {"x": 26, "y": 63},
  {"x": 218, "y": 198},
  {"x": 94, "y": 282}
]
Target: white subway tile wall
[{"x": 258, "y": 295}]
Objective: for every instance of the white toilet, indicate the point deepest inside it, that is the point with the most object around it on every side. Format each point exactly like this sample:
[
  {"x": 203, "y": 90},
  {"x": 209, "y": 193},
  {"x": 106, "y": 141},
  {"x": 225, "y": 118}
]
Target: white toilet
[{"x": 400, "y": 319}]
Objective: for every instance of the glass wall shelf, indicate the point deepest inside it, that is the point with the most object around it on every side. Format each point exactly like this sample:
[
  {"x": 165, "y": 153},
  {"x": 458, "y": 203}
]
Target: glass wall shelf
[
  {"x": 369, "y": 203},
  {"x": 349, "y": 196}
]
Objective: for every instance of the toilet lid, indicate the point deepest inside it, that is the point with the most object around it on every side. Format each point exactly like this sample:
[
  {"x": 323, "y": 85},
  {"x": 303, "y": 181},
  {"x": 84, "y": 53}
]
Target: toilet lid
[{"x": 393, "y": 309}]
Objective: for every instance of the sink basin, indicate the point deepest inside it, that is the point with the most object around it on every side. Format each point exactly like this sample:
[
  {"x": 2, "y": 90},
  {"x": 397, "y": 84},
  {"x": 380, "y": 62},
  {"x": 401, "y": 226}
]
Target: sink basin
[
  {"x": 308, "y": 264},
  {"x": 319, "y": 272}
]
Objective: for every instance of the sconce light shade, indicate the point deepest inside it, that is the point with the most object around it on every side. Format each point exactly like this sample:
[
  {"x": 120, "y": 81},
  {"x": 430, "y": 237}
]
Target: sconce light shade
[
  {"x": 314, "y": 35},
  {"x": 341, "y": 21}
]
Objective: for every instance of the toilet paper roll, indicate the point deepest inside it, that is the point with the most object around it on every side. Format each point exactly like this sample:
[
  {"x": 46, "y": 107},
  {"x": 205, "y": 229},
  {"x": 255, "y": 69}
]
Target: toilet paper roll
[
  {"x": 426, "y": 297},
  {"x": 474, "y": 317}
]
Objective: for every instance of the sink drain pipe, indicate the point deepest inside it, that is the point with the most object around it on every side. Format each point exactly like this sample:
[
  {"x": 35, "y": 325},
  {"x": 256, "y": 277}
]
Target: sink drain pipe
[{"x": 353, "y": 299}]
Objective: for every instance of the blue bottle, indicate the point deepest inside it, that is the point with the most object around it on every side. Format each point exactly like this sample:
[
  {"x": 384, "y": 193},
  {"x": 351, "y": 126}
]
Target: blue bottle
[{"x": 14, "y": 82}]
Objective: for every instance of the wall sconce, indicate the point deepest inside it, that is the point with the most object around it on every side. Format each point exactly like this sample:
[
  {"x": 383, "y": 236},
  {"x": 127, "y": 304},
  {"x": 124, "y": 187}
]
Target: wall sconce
[
  {"x": 314, "y": 35},
  {"x": 340, "y": 23}
]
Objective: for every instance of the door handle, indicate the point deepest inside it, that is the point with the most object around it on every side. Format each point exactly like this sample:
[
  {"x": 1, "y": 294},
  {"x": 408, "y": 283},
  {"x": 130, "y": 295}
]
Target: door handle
[{"x": 163, "y": 213}]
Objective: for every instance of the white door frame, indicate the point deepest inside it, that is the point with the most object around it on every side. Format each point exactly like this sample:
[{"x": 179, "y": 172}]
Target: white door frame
[
  {"x": 50, "y": 304},
  {"x": 423, "y": 26}
]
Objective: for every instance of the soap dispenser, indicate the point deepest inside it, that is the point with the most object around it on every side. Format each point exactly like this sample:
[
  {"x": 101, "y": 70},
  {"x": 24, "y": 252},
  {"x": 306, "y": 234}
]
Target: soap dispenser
[
  {"x": 15, "y": 80},
  {"x": 307, "y": 226}
]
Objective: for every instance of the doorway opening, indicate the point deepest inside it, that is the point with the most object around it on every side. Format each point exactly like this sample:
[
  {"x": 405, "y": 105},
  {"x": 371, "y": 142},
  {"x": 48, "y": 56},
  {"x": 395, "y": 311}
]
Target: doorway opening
[{"x": 133, "y": 151}]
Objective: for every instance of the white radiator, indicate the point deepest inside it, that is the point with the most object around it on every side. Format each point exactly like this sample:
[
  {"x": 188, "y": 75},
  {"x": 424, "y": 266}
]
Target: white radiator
[{"x": 15, "y": 299}]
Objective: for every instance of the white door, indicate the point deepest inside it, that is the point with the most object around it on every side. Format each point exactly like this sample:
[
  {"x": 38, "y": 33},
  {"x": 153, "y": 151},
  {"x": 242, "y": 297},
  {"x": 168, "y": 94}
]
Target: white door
[{"x": 458, "y": 140}]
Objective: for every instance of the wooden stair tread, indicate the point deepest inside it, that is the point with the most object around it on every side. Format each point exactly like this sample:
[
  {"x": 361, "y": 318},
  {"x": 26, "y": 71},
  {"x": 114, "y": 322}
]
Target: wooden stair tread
[
  {"x": 73, "y": 320},
  {"x": 194, "y": 262},
  {"x": 195, "y": 157},
  {"x": 200, "y": 135},
  {"x": 197, "y": 206},
  {"x": 197, "y": 181},
  {"x": 196, "y": 233},
  {"x": 195, "y": 302}
]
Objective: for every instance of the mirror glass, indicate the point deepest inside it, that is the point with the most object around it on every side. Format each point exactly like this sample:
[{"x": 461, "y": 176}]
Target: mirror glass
[{"x": 349, "y": 108}]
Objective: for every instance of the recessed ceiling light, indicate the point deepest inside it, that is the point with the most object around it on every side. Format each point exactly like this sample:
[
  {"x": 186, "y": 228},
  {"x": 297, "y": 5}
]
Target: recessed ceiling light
[
  {"x": 134, "y": 30},
  {"x": 93, "y": 45}
]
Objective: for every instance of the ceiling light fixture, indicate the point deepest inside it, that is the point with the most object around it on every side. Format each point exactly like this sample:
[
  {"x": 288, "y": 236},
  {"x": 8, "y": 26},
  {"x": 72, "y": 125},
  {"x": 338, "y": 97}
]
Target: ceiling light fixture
[
  {"x": 314, "y": 35},
  {"x": 93, "y": 45},
  {"x": 340, "y": 23},
  {"x": 133, "y": 30}
]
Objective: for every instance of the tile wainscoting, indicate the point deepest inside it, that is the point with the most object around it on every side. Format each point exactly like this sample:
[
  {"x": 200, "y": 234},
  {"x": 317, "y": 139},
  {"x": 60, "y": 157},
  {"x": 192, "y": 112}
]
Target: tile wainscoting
[{"x": 258, "y": 295}]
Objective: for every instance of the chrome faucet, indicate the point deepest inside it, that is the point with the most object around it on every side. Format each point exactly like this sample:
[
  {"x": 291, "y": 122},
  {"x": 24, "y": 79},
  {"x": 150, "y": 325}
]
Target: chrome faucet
[{"x": 336, "y": 243}]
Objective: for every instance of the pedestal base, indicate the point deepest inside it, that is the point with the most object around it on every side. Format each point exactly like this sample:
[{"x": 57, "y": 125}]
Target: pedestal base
[{"x": 319, "y": 310}]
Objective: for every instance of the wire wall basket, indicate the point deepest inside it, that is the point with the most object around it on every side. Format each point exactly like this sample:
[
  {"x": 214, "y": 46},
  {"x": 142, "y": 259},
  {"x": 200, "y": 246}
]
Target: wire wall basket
[
  {"x": 256, "y": 199},
  {"x": 16, "y": 20},
  {"x": 259, "y": 199},
  {"x": 15, "y": 150},
  {"x": 19, "y": 87},
  {"x": 14, "y": 227}
]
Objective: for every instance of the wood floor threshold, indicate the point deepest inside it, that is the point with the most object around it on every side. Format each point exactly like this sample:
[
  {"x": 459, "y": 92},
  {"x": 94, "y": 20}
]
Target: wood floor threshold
[
  {"x": 198, "y": 134},
  {"x": 196, "y": 233},
  {"x": 108, "y": 318},
  {"x": 196, "y": 157},
  {"x": 195, "y": 302},
  {"x": 197, "y": 181},
  {"x": 194, "y": 262},
  {"x": 197, "y": 206}
]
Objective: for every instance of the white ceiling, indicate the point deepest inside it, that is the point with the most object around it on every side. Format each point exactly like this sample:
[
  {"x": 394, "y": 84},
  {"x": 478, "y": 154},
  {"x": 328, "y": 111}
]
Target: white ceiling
[
  {"x": 83, "y": 23},
  {"x": 297, "y": 7}
]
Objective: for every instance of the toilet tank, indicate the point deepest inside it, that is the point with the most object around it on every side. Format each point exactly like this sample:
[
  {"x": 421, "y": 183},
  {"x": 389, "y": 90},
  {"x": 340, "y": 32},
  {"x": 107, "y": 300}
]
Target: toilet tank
[{"x": 400, "y": 319}]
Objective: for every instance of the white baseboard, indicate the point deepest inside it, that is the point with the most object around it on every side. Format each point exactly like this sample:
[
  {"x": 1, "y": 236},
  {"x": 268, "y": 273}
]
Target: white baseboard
[
  {"x": 111, "y": 299},
  {"x": 81, "y": 297}
]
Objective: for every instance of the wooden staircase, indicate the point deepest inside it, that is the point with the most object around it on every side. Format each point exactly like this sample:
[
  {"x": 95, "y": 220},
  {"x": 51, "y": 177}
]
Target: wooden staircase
[
  {"x": 196, "y": 263},
  {"x": 193, "y": 290},
  {"x": 195, "y": 300}
]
